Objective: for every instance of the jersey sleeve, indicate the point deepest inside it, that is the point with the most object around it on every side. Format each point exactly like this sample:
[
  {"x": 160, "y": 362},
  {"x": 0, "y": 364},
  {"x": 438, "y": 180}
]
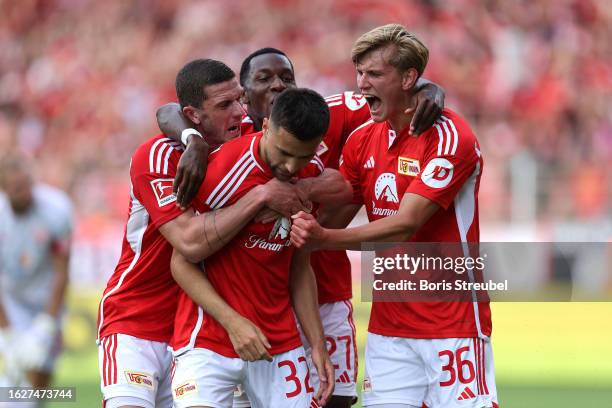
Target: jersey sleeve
[
  {"x": 349, "y": 168},
  {"x": 152, "y": 174},
  {"x": 451, "y": 156}
]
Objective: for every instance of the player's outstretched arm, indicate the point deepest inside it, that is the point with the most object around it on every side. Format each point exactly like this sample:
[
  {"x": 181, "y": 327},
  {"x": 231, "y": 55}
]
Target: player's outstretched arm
[
  {"x": 303, "y": 289},
  {"x": 414, "y": 211},
  {"x": 248, "y": 340},
  {"x": 192, "y": 165},
  {"x": 199, "y": 236},
  {"x": 429, "y": 98}
]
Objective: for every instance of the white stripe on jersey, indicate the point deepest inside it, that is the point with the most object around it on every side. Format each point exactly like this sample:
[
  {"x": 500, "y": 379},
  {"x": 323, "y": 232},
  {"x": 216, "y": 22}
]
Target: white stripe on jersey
[
  {"x": 448, "y": 137},
  {"x": 167, "y": 159},
  {"x": 238, "y": 183},
  {"x": 194, "y": 335},
  {"x": 152, "y": 153},
  {"x": 160, "y": 154},
  {"x": 317, "y": 161},
  {"x": 332, "y": 104},
  {"x": 227, "y": 177},
  {"x": 334, "y": 97},
  {"x": 465, "y": 209},
  {"x": 134, "y": 232},
  {"x": 455, "y": 134}
]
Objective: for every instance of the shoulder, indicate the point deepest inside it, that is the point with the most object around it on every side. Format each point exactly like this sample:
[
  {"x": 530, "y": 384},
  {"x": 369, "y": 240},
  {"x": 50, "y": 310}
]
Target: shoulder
[
  {"x": 451, "y": 135},
  {"x": 54, "y": 203},
  {"x": 361, "y": 133},
  {"x": 348, "y": 100},
  {"x": 154, "y": 155},
  {"x": 235, "y": 147}
]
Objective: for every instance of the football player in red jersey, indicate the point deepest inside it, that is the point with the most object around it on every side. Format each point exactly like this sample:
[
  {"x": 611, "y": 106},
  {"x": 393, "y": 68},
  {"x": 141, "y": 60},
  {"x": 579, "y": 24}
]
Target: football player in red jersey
[
  {"x": 416, "y": 189},
  {"x": 258, "y": 273},
  {"x": 264, "y": 74},
  {"x": 136, "y": 313}
]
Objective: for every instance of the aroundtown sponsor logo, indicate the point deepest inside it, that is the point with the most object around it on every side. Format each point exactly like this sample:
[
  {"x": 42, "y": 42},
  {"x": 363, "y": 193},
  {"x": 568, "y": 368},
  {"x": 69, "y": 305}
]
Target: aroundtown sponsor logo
[
  {"x": 141, "y": 379},
  {"x": 385, "y": 190}
]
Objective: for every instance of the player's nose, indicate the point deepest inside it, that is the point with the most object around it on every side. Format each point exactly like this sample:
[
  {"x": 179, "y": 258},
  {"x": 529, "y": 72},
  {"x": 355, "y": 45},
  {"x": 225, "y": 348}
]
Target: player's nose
[{"x": 278, "y": 84}]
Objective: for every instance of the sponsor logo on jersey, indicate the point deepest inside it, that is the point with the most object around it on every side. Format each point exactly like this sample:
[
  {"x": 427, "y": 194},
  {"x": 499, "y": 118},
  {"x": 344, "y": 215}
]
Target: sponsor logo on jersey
[
  {"x": 189, "y": 387},
  {"x": 255, "y": 241},
  {"x": 322, "y": 148},
  {"x": 438, "y": 173},
  {"x": 354, "y": 101},
  {"x": 162, "y": 188},
  {"x": 140, "y": 379},
  {"x": 369, "y": 164},
  {"x": 386, "y": 188},
  {"x": 367, "y": 385},
  {"x": 238, "y": 391},
  {"x": 408, "y": 166}
]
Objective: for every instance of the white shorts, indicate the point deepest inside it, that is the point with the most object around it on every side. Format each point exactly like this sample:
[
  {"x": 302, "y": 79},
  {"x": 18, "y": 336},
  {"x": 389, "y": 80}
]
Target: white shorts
[
  {"x": 440, "y": 373},
  {"x": 205, "y": 378},
  {"x": 339, "y": 329},
  {"x": 135, "y": 368}
]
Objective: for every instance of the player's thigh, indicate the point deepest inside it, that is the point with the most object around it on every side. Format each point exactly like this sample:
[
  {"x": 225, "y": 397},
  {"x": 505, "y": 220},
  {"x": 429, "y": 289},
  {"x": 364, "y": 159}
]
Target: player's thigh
[
  {"x": 205, "y": 378},
  {"x": 394, "y": 372},
  {"x": 340, "y": 337},
  {"x": 133, "y": 367},
  {"x": 462, "y": 371},
  {"x": 282, "y": 383}
]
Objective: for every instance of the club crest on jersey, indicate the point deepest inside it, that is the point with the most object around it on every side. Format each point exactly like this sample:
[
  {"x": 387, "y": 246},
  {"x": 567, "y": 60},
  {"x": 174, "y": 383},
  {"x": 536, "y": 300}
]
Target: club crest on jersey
[
  {"x": 354, "y": 101},
  {"x": 408, "y": 166},
  {"x": 141, "y": 379},
  {"x": 162, "y": 188},
  {"x": 386, "y": 188},
  {"x": 438, "y": 173},
  {"x": 322, "y": 148},
  {"x": 186, "y": 388}
]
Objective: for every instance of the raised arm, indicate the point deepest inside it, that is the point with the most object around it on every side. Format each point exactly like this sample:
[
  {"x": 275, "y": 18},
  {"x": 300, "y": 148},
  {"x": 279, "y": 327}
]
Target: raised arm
[
  {"x": 248, "y": 340},
  {"x": 192, "y": 165},
  {"x": 303, "y": 289}
]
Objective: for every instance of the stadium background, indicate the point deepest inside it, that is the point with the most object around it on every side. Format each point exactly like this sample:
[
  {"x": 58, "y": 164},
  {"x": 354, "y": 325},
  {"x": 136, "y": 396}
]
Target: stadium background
[{"x": 80, "y": 81}]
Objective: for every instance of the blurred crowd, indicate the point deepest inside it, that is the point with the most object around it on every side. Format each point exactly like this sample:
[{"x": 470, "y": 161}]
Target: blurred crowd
[{"x": 80, "y": 81}]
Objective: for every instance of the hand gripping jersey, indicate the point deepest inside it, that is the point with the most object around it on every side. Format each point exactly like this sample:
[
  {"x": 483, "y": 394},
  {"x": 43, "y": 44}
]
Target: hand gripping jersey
[
  {"x": 141, "y": 296},
  {"x": 444, "y": 165},
  {"x": 251, "y": 272},
  {"x": 332, "y": 268}
]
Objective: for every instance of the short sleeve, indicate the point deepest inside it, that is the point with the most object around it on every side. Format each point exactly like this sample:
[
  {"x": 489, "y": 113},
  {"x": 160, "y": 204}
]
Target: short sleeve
[
  {"x": 451, "y": 157},
  {"x": 152, "y": 174}
]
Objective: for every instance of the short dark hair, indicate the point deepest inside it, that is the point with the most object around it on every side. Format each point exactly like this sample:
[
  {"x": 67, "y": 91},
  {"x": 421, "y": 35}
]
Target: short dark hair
[
  {"x": 197, "y": 74},
  {"x": 246, "y": 64},
  {"x": 301, "y": 112}
]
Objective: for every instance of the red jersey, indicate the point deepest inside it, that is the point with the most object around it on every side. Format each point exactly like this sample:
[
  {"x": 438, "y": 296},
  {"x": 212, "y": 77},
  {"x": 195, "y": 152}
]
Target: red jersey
[
  {"x": 251, "y": 272},
  {"x": 444, "y": 164},
  {"x": 140, "y": 297},
  {"x": 347, "y": 111},
  {"x": 246, "y": 126}
]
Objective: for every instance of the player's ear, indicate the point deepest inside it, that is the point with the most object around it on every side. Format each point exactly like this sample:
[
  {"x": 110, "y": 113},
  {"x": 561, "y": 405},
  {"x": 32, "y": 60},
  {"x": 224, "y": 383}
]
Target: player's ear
[
  {"x": 192, "y": 114},
  {"x": 409, "y": 78},
  {"x": 265, "y": 125},
  {"x": 244, "y": 99}
]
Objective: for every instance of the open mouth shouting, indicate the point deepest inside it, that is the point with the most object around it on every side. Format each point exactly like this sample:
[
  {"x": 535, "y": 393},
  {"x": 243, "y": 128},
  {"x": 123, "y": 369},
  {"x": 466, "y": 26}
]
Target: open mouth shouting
[{"x": 374, "y": 103}]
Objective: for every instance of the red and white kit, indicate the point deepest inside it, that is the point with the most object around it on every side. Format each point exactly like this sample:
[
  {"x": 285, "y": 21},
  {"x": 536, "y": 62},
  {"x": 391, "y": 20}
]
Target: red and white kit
[
  {"x": 444, "y": 165},
  {"x": 251, "y": 273},
  {"x": 332, "y": 268}
]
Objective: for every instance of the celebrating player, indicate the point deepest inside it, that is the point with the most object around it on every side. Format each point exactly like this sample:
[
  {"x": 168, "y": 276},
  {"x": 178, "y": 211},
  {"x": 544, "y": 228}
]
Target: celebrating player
[
  {"x": 35, "y": 231},
  {"x": 136, "y": 313},
  {"x": 257, "y": 273},
  {"x": 264, "y": 74},
  {"x": 437, "y": 353}
]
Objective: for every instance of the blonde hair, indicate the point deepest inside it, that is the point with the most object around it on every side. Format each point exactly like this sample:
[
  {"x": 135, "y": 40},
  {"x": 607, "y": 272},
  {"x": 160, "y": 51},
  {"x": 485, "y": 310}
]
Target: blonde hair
[{"x": 409, "y": 52}]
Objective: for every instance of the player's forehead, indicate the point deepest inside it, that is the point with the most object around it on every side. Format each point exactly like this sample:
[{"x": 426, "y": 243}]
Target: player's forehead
[
  {"x": 270, "y": 62},
  {"x": 290, "y": 144},
  {"x": 223, "y": 91},
  {"x": 376, "y": 59}
]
